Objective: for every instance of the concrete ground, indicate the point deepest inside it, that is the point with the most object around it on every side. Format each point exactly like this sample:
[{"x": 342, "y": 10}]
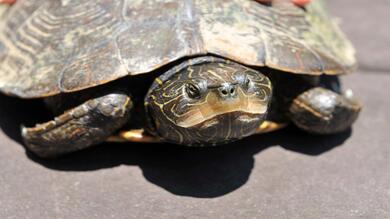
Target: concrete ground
[{"x": 286, "y": 174}]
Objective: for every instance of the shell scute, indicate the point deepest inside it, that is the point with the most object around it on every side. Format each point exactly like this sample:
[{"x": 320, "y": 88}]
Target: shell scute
[{"x": 49, "y": 47}]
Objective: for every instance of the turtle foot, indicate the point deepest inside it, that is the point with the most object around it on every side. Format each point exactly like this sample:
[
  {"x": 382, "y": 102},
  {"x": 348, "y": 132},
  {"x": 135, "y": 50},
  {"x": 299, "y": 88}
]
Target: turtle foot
[
  {"x": 83, "y": 126},
  {"x": 322, "y": 111}
]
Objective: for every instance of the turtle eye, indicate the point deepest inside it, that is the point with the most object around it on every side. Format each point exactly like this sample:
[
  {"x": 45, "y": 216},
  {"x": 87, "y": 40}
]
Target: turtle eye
[
  {"x": 192, "y": 91},
  {"x": 247, "y": 82}
]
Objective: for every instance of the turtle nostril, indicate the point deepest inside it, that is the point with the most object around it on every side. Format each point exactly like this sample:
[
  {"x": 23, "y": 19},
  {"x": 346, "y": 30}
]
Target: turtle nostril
[{"x": 227, "y": 91}]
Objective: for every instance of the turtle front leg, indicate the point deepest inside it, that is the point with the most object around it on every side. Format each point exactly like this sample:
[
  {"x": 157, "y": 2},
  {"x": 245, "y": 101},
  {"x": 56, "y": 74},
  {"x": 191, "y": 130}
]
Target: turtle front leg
[
  {"x": 322, "y": 111},
  {"x": 83, "y": 126}
]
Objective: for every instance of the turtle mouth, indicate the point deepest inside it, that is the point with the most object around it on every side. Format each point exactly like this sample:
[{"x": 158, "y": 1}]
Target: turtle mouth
[
  {"x": 246, "y": 109},
  {"x": 226, "y": 128},
  {"x": 212, "y": 119},
  {"x": 236, "y": 117}
]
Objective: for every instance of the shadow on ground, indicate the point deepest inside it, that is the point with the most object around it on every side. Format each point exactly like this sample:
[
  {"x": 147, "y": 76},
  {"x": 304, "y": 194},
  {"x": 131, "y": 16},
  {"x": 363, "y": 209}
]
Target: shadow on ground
[{"x": 196, "y": 172}]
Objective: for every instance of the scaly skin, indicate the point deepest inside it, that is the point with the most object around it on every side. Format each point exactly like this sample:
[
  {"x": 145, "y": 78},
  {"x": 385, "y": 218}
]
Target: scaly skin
[
  {"x": 88, "y": 124},
  {"x": 207, "y": 101},
  {"x": 322, "y": 111}
]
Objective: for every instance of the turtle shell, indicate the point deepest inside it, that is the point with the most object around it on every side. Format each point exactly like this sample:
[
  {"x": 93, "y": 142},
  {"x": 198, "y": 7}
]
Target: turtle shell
[{"x": 50, "y": 47}]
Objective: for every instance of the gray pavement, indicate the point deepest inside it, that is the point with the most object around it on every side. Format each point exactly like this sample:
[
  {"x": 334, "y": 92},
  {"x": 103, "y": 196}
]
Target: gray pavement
[{"x": 286, "y": 174}]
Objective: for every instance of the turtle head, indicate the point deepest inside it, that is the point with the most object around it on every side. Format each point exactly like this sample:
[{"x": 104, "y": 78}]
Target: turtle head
[{"x": 208, "y": 101}]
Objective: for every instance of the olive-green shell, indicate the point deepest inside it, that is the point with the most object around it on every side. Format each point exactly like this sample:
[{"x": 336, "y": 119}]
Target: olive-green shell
[{"x": 52, "y": 46}]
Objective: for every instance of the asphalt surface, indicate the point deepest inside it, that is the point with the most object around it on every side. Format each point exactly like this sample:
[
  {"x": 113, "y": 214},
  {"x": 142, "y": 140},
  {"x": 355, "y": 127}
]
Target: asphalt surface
[{"x": 286, "y": 174}]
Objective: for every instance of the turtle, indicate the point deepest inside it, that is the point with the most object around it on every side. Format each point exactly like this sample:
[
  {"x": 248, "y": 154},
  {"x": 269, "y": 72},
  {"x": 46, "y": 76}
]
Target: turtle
[{"x": 186, "y": 72}]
